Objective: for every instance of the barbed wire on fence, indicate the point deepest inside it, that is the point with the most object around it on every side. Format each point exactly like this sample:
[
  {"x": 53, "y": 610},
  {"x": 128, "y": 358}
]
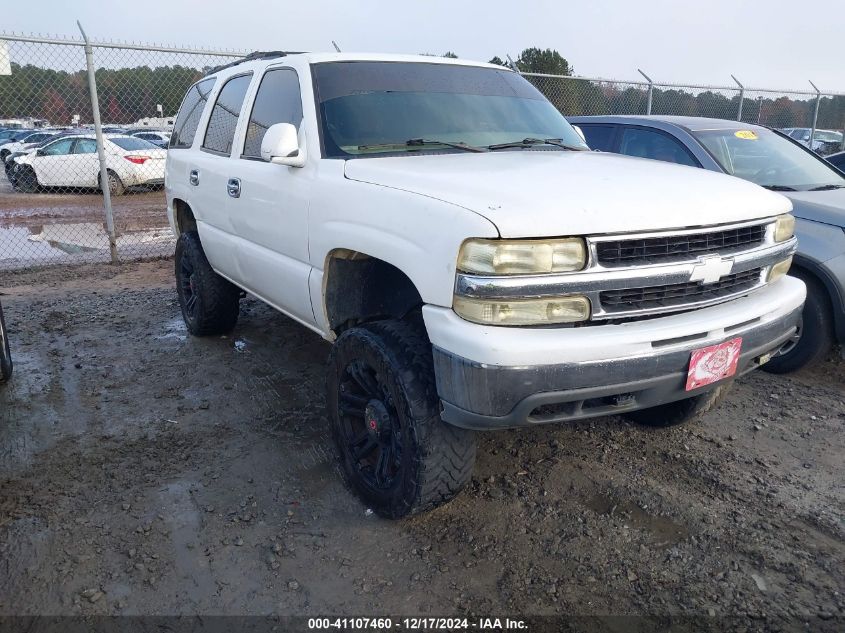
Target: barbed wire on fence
[{"x": 51, "y": 206}]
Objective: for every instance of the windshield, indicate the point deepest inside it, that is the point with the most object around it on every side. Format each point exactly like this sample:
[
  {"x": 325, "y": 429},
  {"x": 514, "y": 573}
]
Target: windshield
[
  {"x": 37, "y": 138},
  {"x": 767, "y": 159},
  {"x": 369, "y": 108}
]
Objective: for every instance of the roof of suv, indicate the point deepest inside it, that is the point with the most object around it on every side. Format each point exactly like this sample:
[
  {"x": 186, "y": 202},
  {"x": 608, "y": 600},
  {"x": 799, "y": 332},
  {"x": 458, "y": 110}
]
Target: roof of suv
[{"x": 264, "y": 59}]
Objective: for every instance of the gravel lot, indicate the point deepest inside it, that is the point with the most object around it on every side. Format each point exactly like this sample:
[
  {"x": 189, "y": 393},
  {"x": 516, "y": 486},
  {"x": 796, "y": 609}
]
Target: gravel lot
[{"x": 146, "y": 472}]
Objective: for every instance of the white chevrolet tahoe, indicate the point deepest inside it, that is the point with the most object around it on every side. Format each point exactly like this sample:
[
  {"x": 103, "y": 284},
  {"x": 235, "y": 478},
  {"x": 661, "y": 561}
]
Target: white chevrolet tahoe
[{"x": 474, "y": 264}]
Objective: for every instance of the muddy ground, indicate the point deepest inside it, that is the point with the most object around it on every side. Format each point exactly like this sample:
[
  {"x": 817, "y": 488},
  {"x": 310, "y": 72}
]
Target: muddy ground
[{"x": 143, "y": 471}]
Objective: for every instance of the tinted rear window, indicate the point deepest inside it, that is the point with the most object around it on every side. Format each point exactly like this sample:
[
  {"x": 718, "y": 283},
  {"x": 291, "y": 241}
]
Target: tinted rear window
[
  {"x": 224, "y": 116},
  {"x": 599, "y": 137},
  {"x": 188, "y": 119},
  {"x": 132, "y": 143}
]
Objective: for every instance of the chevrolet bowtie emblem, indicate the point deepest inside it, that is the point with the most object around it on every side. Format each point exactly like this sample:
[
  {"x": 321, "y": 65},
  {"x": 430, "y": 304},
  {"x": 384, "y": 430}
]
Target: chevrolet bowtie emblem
[{"x": 711, "y": 269}]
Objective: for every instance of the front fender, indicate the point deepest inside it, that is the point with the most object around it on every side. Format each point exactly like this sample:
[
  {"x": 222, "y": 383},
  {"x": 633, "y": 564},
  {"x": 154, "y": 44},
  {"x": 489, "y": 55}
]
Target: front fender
[
  {"x": 418, "y": 235},
  {"x": 821, "y": 252}
]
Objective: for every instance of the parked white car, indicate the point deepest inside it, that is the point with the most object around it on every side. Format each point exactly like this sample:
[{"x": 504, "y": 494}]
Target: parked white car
[
  {"x": 824, "y": 141},
  {"x": 25, "y": 143},
  {"x": 159, "y": 138},
  {"x": 72, "y": 161},
  {"x": 473, "y": 263}
]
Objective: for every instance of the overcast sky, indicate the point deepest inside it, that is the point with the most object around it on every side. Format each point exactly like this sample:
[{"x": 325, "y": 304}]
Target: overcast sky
[{"x": 771, "y": 43}]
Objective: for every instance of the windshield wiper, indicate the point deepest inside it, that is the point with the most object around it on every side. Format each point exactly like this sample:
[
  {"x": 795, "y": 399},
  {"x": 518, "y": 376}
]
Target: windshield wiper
[
  {"x": 529, "y": 142},
  {"x": 778, "y": 188},
  {"x": 827, "y": 187},
  {"x": 421, "y": 142}
]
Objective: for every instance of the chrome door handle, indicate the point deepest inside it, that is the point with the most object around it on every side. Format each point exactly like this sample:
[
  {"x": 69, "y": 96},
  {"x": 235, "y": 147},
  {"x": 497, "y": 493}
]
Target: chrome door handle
[
  {"x": 194, "y": 178},
  {"x": 234, "y": 187}
]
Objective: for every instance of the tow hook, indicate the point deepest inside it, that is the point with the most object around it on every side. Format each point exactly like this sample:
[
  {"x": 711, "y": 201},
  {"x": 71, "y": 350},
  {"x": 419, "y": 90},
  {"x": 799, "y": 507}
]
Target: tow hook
[{"x": 623, "y": 400}]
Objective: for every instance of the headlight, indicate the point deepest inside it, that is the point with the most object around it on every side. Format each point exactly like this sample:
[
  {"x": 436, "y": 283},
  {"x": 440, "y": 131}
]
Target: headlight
[
  {"x": 779, "y": 270},
  {"x": 784, "y": 227},
  {"x": 522, "y": 257},
  {"x": 548, "y": 311}
]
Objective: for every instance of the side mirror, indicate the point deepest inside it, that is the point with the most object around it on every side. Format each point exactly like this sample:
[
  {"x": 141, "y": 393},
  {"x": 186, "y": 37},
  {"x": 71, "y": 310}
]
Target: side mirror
[
  {"x": 39, "y": 152},
  {"x": 281, "y": 146}
]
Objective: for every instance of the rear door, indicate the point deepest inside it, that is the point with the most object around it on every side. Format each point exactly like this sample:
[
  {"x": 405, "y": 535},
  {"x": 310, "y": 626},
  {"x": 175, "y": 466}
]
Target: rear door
[
  {"x": 210, "y": 172},
  {"x": 84, "y": 163}
]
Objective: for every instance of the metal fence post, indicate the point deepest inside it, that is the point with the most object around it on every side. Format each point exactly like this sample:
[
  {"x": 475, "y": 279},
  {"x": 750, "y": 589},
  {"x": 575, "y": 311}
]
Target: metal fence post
[
  {"x": 101, "y": 151},
  {"x": 815, "y": 114},
  {"x": 650, "y": 91},
  {"x": 741, "y": 98}
]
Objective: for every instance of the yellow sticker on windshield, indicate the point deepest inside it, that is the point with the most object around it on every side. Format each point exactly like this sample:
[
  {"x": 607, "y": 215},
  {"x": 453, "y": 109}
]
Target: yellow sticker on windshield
[{"x": 748, "y": 135}]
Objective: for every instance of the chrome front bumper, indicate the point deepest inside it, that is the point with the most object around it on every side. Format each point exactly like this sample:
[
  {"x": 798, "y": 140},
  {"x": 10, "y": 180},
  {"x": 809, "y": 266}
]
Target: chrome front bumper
[{"x": 478, "y": 396}]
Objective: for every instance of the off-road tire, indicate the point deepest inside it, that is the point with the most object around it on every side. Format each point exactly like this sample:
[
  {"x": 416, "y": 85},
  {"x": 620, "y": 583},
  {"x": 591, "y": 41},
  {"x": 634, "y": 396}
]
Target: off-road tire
[
  {"x": 209, "y": 303},
  {"x": 26, "y": 180},
  {"x": 816, "y": 333},
  {"x": 116, "y": 186},
  {"x": 439, "y": 458},
  {"x": 682, "y": 411},
  {"x": 5, "y": 352}
]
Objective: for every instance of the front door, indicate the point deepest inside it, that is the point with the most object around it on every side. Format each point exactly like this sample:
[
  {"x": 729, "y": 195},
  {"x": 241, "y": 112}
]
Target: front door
[
  {"x": 268, "y": 204},
  {"x": 51, "y": 163}
]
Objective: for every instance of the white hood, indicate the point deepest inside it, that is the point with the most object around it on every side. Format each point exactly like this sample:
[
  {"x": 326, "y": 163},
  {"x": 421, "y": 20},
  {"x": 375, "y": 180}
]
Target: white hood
[{"x": 552, "y": 193}]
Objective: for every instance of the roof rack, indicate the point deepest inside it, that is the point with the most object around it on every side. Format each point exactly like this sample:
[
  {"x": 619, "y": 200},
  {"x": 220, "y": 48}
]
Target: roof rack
[{"x": 252, "y": 57}]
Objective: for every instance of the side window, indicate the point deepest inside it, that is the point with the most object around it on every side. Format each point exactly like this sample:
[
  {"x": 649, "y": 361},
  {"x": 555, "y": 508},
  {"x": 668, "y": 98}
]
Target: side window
[
  {"x": 599, "y": 137},
  {"x": 655, "y": 145},
  {"x": 188, "y": 118},
  {"x": 58, "y": 148},
  {"x": 278, "y": 101},
  {"x": 224, "y": 116},
  {"x": 85, "y": 146},
  {"x": 838, "y": 161}
]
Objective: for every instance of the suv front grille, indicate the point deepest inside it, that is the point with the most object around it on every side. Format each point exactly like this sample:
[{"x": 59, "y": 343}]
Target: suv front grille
[
  {"x": 672, "y": 248},
  {"x": 673, "y": 296}
]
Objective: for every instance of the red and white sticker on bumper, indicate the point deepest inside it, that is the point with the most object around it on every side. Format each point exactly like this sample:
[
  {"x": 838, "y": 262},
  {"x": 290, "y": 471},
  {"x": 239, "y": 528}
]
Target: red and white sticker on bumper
[{"x": 712, "y": 364}]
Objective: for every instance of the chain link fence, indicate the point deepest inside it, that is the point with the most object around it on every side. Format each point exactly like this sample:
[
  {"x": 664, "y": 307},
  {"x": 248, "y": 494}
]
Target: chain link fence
[
  {"x": 801, "y": 112},
  {"x": 53, "y": 209}
]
